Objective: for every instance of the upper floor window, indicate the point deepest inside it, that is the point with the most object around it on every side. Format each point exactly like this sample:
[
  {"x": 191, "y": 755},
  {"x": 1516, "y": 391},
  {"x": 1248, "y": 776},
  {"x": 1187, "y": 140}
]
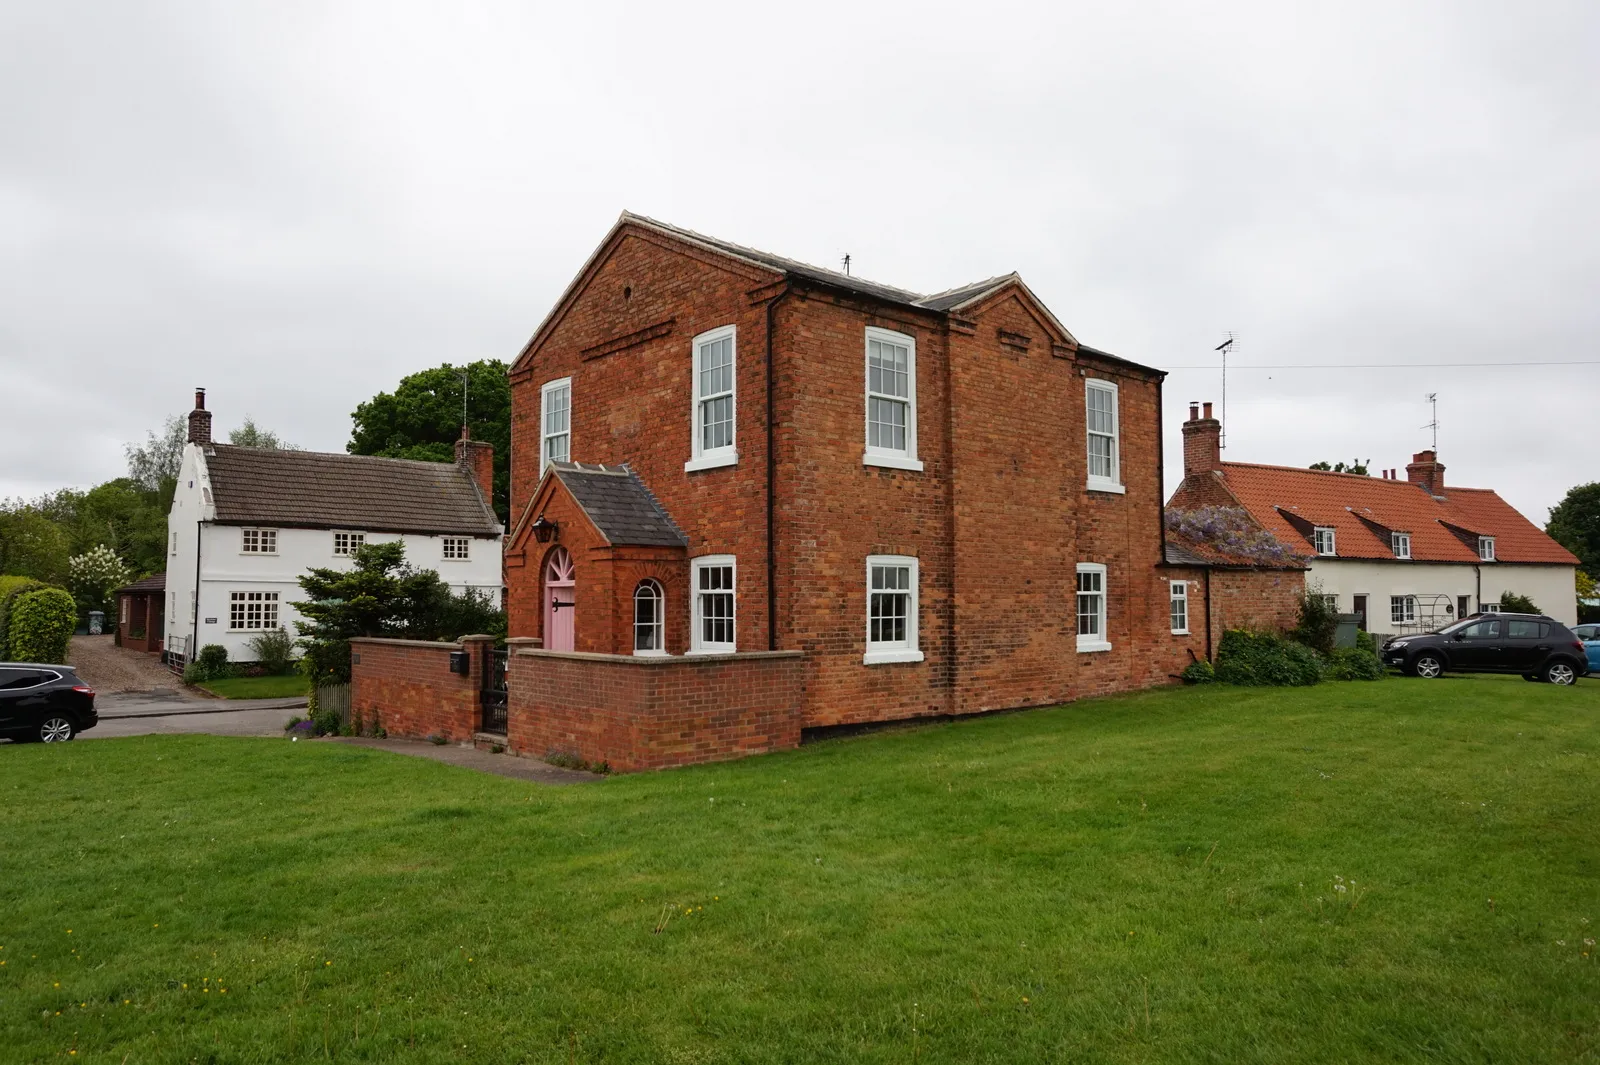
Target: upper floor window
[
  {"x": 252, "y": 610},
  {"x": 712, "y": 626},
  {"x": 1486, "y": 548},
  {"x": 174, "y": 543},
  {"x": 1322, "y": 539},
  {"x": 647, "y": 619},
  {"x": 1178, "y": 601},
  {"x": 891, "y": 400},
  {"x": 1092, "y": 607},
  {"x": 1401, "y": 542},
  {"x": 259, "y": 541},
  {"x": 1105, "y": 440},
  {"x": 714, "y": 400},
  {"x": 345, "y": 543},
  {"x": 457, "y": 547},
  {"x": 891, "y": 609},
  {"x": 555, "y": 422}
]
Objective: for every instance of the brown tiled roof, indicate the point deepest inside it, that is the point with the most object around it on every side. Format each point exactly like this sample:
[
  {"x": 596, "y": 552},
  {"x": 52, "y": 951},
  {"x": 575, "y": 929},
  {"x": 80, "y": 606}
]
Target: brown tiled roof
[
  {"x": 1364, "y": 510},
  {"x": 156, "y": 582},
  {"x": 252, "y": 486}
]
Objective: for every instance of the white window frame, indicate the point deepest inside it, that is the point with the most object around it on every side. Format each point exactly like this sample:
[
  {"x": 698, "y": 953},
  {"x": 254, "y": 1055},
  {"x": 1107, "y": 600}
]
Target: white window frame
[
  {"x": 885, "y": 651},
  {"x": 174, "y": 543},
  {"x": 265, "y": 598},
  {"x": 545, "y": 436},
  {"x": 1177, "y": 603},
  {"x": 1485, "y": 549},
  {"x": 1114, "y": 482},
  {"x": 701, "y": 457},
  {"x": 258, "y": 541},
  {"x": 1092, "y": 641},
  {"x": 660, "y": 626},
  {"x": 1401, "y": 544},
  {"x": 889, "y": 458},
  {"x": 697, "y": 645},
  {"x": 1332, "y": 549},
  {"x": 1488, "y": 608},
  {"x": 353, "y": 540},
  {"x": 1402, "y": 610},
  {"x": 464, "y": 547}
]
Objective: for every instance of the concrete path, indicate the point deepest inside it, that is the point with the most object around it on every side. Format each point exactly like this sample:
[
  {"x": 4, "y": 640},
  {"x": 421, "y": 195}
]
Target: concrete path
[
  {"x": 227, "y": 720},
  {"x": 505, "y": 765},
  {"x": 170, "y": 703}
]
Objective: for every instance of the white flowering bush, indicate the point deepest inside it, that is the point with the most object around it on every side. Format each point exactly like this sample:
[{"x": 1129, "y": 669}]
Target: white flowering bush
[{"x": 94, "y": 575}]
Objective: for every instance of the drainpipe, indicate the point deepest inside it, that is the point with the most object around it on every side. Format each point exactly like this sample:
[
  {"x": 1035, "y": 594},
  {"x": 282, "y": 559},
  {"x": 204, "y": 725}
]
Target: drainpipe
[
  {"x": 1161, "y": 471},
  {"x": 772, "y": 494},
  {"x": 1208, "y": 613},
  {"x": 1477, "y": 576}
]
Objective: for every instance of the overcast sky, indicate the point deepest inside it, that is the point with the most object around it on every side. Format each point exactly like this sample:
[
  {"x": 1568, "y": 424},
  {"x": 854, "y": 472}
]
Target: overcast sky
[{"x": 296, "y": 204}]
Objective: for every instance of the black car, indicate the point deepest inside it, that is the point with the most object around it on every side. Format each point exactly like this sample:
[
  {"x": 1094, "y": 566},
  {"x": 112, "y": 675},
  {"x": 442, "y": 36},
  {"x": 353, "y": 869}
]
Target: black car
[
  {"x": 1537, "y": 647},
  {"x": 45, "y": 703}
]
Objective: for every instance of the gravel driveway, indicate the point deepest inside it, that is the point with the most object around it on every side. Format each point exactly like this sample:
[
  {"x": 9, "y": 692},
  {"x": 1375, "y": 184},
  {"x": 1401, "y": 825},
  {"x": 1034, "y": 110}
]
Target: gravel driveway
[{"x": 105, "y": 667}]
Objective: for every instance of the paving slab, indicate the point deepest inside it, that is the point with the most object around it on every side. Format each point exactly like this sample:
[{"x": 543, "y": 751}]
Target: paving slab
[{"x": 505, "y": 765}]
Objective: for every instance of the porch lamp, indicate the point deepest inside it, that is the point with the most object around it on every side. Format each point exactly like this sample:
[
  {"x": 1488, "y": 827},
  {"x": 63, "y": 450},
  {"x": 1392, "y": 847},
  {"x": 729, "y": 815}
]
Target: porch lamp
[{"x": 545, "y": 530}]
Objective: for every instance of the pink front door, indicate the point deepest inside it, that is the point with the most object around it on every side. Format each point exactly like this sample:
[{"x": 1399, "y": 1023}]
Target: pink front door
[{"x": 560, "y": 598}]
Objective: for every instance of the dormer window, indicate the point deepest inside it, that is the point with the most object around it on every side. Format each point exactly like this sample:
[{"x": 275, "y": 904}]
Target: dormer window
[
  {"x": 1401, "y": 542},
  {"x": 1322, "y": 539},
  {"x": 1486, "y": 548}
]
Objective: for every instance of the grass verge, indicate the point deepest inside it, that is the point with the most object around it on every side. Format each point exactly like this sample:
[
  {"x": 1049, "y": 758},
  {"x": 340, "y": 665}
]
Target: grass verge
[{"x": 258, "y": 687}]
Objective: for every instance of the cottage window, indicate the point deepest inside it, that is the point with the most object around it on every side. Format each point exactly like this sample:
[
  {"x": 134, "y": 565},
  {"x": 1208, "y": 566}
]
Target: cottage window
[
  {"x": 1403, "y": 609},
  {"x": 1179, "y": 601},
  {"x": 712, "y": 625},
  {"x": 1092, "y": 607},
  {"x": 713, "y": 427},
  {"x": 125, "y": 609},
  {"x": 647, "y": 617},
  {"x": 345, "y": 543},
  {"x": 555, "y": 420},
  {"x": 1322, "y": 539},
  {"x": 1486, "y": 548},
  {"x": 891, "y": 401},
  {"x": 891, "y": 609},
  {"x": 260, "y": 541},
  {"x": 174, "y": 543},
  {"x": 1401, "y": 542},
  {"x": 252, "y": 610},
  {"x": 1105, "y": 443},
  {"x": 457, "y": 548}
]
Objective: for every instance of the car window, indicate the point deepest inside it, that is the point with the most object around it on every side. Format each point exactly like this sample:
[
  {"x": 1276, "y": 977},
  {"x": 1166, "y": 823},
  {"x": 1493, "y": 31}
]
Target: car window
[
  {"x": 1482, "y": 630},
  {"x": 20, "y": 678},
  {"x": 1526, "y": 630}
]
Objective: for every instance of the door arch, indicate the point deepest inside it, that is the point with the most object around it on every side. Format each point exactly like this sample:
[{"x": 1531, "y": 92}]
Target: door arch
[{"x": 560, "y": 601}]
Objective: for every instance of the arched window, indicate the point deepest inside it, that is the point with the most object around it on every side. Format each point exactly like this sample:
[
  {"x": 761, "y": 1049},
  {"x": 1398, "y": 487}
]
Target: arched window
[{"x": 647, "y": 613}]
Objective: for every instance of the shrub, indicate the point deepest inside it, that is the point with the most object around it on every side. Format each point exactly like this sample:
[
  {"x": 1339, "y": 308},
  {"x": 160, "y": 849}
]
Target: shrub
[
  {"x": 1355, "y": 663},
  {"x": 1512, "y": 603},
  {"x": 274, "y": 651},
  {"x": 210, "y": 664},
  {"x": 10, "y": 588},
  {"x": 326, "y": 721},
  {"x": 1318, "y": 622},
  {"x": 1265, "y": 659},
  {"x": 1199, "y": 672},
  {"x": 41, "y": 625}
]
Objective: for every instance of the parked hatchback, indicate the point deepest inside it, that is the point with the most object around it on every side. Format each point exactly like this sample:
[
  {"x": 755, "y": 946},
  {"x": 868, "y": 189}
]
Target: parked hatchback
[
  {"x": 44, "y": 702},
  {"x": 1537, "y": 647},
  {"x": 1590, "y": 635}
]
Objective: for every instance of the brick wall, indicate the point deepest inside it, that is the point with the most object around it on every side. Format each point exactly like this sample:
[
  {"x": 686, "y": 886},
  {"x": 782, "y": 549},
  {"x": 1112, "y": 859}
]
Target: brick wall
[
  {"x": 650, "y": 713},
  {"x": 408, "y": 685}
]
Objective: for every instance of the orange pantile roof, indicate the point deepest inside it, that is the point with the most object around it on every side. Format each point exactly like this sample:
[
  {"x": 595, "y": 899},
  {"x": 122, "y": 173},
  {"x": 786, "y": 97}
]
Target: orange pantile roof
[{"x": 1364, "y": 510}]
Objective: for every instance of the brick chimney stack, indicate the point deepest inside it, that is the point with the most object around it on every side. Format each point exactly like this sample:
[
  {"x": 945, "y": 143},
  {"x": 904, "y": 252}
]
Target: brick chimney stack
[
  {"x": 1202, "y": 442},
  {"x": 477, "y": 457},
  {"x": 1426, "y": 469},
  {"x": 200, "y": 420}
]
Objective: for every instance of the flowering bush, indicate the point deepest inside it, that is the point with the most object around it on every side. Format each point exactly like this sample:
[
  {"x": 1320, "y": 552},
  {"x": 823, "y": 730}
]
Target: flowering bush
[
  {"x": 94, "y": 575},
  {"x": 1231, "y": 531}
]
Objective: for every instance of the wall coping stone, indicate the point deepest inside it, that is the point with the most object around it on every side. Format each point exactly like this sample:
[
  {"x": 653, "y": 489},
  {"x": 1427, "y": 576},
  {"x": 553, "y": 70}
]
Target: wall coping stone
[
  {"x": 437, "y": 645},
  {"x": 658, "y": 660}
]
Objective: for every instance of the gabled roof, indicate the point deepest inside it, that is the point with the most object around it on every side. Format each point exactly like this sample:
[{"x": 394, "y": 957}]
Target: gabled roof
[
  {"x": 156, "y": 582},
  {"x": 619, "y": 504},
  {"x": 260, "y": 486},
  {"x": 1363, "y": 511}
]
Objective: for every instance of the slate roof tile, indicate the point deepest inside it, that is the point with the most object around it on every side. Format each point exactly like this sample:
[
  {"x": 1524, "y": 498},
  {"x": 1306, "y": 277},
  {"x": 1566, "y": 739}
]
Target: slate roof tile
[{"x": 619, "y": 504}]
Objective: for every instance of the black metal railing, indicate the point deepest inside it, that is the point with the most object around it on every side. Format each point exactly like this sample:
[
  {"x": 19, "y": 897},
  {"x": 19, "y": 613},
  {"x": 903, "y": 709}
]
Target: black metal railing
[{"x": 492, "y": 693}]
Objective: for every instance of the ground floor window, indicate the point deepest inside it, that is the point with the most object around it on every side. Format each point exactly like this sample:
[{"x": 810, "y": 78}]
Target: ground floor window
[
  {"x": 252, "y": 610},
  {"x": 1180, "y": 607},
  {"x": 891, "y": 609},
  {"x": 1092, "y": 607},
  {"x": 1403, "y": 609},
  {"x": 713, "y": 622},
  {"x": 647, "y": 616}
]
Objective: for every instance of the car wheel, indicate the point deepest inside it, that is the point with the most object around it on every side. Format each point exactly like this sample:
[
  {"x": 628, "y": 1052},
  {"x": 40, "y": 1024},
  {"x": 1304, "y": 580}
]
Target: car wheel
[
  {"x": 56, "y": 730},
  {"x": 1560, "y": 673},
  {"x": 1427, "y": 666}
]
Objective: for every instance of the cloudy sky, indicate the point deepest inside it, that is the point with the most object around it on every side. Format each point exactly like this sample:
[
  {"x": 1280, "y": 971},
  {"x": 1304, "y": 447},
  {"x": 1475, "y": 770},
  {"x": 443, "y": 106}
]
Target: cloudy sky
[{"x": 295, "y": 204}]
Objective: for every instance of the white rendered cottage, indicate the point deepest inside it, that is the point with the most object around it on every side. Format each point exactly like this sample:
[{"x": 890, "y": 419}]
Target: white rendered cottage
[{"x": 246, "y": 523}]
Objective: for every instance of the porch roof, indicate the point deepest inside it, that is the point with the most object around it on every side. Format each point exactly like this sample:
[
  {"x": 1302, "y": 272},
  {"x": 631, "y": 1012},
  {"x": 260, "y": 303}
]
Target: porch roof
[{"x": 619, "y": 504}]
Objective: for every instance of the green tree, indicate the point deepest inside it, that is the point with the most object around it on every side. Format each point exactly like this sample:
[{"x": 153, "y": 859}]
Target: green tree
[
  {"x": 1575, "y": 525},
  {"x": 421, "y": 419},
  {"x": 122, "y": 514},
  {"x": 156, "y": 462},
  {"x": 32, "y": 543},
  {"x": 1353, "y": 466},
  {"x": 1512, "y": 603},
  {"x": 252, "y": 435}
]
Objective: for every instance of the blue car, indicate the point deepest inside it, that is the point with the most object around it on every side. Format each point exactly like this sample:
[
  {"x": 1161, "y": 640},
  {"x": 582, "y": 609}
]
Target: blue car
[{"x": 1590, "y": 635}]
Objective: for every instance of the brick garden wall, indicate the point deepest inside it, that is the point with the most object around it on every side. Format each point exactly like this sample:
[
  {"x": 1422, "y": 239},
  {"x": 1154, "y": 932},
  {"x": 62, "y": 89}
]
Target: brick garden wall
[{"x": 408, "y": 686}]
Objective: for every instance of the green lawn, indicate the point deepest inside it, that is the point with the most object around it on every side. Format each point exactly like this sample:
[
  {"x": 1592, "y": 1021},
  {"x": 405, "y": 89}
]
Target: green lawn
[
  {"x": 1399, "y": 871},
  {"x": 258, "y": 687}
]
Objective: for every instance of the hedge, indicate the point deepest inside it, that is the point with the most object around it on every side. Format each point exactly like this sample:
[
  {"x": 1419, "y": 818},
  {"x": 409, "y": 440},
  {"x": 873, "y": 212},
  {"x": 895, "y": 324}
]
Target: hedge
[
  {"x": 10, "y": 588},
  {"x": 42, "y": 622},
  {"x": 1266, "y": 659}
]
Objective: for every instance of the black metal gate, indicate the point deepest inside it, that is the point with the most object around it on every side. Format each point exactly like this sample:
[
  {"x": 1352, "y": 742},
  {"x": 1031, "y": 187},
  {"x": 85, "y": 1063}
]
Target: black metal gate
[{"x": 492, "y": 693}]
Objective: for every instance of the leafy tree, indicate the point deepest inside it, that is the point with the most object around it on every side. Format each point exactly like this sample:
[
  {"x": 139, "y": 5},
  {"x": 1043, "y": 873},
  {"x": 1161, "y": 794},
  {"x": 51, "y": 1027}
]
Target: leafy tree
[
  {"x": 1353, "y": 466},
  {"x": 1512, "y": 603},
  {"x": 122, "y": 514},
  {"x": 421, "y": 419},
  {"x": 95, "y": 574},
  {"x": 156, "y": 462},
  {"x": 1587, "y": 589},
  {"x": 32, "y": 544},
  {"x": 252, "y": 435},
  {"x": 1575, "y": 525}
]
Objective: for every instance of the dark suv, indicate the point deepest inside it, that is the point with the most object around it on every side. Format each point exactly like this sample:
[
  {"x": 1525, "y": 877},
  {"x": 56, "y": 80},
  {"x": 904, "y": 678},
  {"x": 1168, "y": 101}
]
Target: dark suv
[
  {"x": 1533, "y": 645},
  {"x": 46, "y": 703}
]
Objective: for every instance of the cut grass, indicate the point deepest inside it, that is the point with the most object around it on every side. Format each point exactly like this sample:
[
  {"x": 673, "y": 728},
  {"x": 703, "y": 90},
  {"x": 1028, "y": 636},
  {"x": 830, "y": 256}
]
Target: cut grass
[
  {"x": 1394, "y": 871},
  {"x": 258, "y": 687}
]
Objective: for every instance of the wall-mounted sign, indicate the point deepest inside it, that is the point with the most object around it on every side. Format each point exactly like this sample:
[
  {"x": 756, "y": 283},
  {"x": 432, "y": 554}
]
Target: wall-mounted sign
[{"x": 211, "y": 621}]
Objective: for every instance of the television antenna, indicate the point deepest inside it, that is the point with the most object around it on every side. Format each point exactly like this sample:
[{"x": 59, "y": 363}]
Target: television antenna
[
  {"x": 1225, "y": 347},
  {"x": 464, "y": 379},
  {"x": 845, "y": 262},
  {"x": 1433, "y": 401}
]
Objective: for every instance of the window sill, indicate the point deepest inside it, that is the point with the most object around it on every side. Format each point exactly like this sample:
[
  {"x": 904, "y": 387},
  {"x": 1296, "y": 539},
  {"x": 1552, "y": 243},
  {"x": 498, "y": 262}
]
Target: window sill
[
  {"x": 1085, "y": 646},
  {"x": 650, "y": 654},
  {"x": 891, "y": 462},
  {"x": 1180, "y": 632},
  {"x": 727, "y": 650},
  {"x": 711, "y": 462},
  {"x": 1097, "y": 485},
  {"x": 878, "y": 658}
]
